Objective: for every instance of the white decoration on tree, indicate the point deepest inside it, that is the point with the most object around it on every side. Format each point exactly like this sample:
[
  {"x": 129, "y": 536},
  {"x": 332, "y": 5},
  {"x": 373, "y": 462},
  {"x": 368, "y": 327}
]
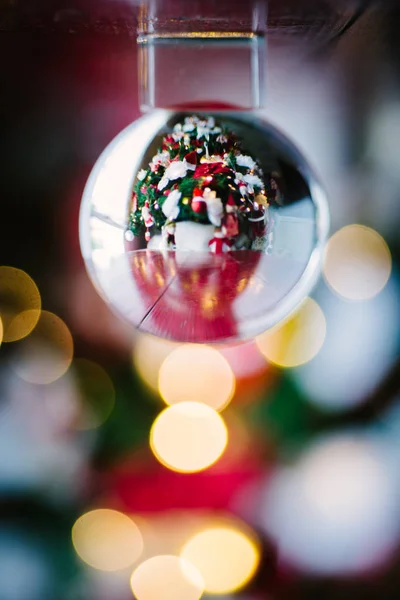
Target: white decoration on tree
[
  {"x": 176, "y": 170},
  {"x": 239, "y": 177},
  {"x": 253, "y": 180},
  {"x": 170, "y": 207},
  {"x": 162, "y": 183},
  {"x": 215, "y": 207},
  {"x": 203, "y": 131},
  {"x": 161, "y": 158},
  {"x": 245, "y": 161},
  {"x": 142, "y": 174},
  {"x": 178, "y": 135}
]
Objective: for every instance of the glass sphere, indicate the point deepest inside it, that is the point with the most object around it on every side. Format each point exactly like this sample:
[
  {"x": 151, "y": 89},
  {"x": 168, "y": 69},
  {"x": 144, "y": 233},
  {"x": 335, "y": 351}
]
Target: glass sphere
[{"x": 203, "y": 227}]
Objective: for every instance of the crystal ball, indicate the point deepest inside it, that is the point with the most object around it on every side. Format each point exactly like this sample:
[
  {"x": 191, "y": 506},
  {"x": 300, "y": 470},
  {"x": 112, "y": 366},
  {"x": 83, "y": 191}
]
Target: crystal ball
[{"x": 203, "y": 228}]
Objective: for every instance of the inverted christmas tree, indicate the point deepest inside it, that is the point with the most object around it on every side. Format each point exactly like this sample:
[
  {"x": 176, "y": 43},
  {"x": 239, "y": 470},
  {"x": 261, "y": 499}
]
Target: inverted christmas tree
[{"x": 200, "y": 192}]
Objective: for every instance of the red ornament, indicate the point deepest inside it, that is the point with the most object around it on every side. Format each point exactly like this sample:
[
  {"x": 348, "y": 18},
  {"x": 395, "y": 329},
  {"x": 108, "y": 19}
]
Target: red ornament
[
  {"x": 191, "y": 158},
  {"x": 198, "y": 204},
  {"x": 215, "y": 168}
]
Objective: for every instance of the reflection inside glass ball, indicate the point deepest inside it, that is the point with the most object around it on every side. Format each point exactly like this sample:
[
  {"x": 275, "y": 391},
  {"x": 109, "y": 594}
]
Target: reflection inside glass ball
[{"x": 202, "y": 227}]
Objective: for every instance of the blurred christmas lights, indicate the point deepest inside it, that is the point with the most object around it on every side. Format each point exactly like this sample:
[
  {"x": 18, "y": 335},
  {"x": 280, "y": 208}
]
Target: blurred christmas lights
[
  {"x": 149, "y": 353},
  {"x": 360, "y": 347},
  {"x": 47, "y": 353},
  {"x": 336, "y": 511},
  {"x": 226, "y": 558},
  {"x": 298, "y": 340},
  {"x": 167, "y": 578},
  {"x": 107, "y": 540},
  {"x": 20, "y": 303},
  {"x": 197, "y": 373},
  {"x": 188, "y": 437},
  {"x": 24, "y": 567},
  {"x": 38, "y": 450},
  {"x": 357, "y": 262},
  {"x": 246, "y": 360}
]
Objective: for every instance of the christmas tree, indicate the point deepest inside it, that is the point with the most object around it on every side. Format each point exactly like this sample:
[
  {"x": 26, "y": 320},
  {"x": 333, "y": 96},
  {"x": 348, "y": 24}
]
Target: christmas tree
[{"x": 200, "y": 175}]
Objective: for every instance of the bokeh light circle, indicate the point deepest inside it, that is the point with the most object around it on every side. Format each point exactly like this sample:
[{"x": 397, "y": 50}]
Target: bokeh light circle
[
  {"x": 336, "y": 510},
  {"x": 357, "y": 263},
  {"x": 167, "y": 578},
  {"x": 197, "y": 373},
  {"x": 149, "y": 353},
  {"x": 298, "y": 340},
  {"x": 225, "y": 557},
  {"x": 338, "y": 475},
  {"x": 20, "y": 303},
  {"x": 188, "y": 437},
  {"x": 107, "y": 540},
  {"x": 47, "y": 353},
  {"x": 360, "y": 349}
]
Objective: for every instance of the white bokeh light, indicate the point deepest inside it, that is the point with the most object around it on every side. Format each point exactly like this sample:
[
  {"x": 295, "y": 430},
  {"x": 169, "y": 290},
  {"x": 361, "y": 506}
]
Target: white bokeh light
[
  {"x": 337, "y": 510},
  {"x": 360, "y": 346}
]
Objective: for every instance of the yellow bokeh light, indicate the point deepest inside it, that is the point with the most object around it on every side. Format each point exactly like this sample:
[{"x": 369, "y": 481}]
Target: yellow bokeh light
[
  {"x": 225, "y": 557},
  {"x": 20, "y": 303},
  {"x": 97, "y": 393},
  {"x": 167, "y": 578},
  {"x": 107, "y": 540},
  {"x": 196, "y": 373},
  {"x": 47, "y": 353},
  {"x": 1, "y": 331},
  {"x": 298, "y": 340},
  {"x": 188, "y": 437},
  {"x": 149, "y": 354},
  {"x": 357, "y": 263}
]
